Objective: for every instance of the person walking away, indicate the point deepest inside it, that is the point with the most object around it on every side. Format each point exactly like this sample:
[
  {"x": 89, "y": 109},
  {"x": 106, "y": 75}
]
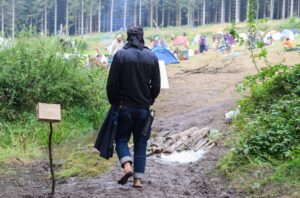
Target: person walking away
[{"x": 133, "y": 85}]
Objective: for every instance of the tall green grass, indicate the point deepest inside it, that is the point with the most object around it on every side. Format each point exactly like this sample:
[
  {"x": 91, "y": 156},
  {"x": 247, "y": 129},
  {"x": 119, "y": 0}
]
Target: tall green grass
[{"x": 34, "y": 69}]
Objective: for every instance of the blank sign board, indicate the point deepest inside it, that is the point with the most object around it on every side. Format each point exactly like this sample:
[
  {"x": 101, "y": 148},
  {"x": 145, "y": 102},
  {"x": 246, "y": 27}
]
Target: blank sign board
[
  {"x": 164, "y": 82},
  {"x": 48, "y": 112}
]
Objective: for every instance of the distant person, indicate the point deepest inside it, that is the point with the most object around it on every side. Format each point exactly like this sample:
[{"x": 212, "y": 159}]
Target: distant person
[
  {"x": 133, "y": 85},
  {"x": 151, "y": 44},
  {"x": 182, "y": 41},
  {"x": 116, "y": 45},
  {"x": 185, "y": 41},
  {"x": 202, "y": 44},
  {"x": 100, "y": 59},
  {"x": 288, "y": 44},
  {"x": 225, "y": 45}
]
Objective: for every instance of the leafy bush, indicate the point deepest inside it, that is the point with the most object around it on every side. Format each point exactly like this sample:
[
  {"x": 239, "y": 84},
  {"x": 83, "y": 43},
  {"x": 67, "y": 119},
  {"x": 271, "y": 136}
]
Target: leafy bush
[
  {"x": 35, "y": 69},
  {"x": 269, "y": 122}
]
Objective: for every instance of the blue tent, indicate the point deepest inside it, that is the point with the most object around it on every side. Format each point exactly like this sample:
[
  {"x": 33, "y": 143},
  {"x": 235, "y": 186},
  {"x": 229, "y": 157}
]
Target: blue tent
[{"x": 165, "y": 55}]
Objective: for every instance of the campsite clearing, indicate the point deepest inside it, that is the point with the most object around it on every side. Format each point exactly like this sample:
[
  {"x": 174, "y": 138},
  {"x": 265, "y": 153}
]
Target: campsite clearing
[{"x": 202, "y": 90}]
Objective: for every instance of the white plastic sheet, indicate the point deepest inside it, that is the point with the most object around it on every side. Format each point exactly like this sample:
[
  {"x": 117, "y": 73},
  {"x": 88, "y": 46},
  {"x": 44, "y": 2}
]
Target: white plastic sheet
[{"x": 163, "y": 75}]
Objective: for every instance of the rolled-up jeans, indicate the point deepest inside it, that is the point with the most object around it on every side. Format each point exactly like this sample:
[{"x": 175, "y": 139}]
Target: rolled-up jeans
[{"x": 131, "y": 121}]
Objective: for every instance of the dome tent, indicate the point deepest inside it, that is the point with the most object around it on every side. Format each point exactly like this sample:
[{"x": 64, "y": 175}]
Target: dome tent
[
  {"x": 165, "y": 55},
  {"x": 288, "y": 34}
]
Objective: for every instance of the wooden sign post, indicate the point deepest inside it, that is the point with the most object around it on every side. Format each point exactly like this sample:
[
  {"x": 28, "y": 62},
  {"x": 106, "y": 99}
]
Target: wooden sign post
[{"x": 49, "y": 113}]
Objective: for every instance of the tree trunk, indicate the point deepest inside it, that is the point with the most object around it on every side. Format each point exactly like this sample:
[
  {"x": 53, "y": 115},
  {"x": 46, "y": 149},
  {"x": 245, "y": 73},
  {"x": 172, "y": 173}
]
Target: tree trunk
[
  {"x": 76, "y": 24},
  {"x": 151, "y": 13},
  {"x": 264, "y": 9},
  {"x": 169, "y": 16},
  {"x": 223, "y": 12},
  {"x": 91, "y": 19},
  {"x": 180, "y": 15},
  {"x": 298, "y": 8},
  {"x": 134, "y": 13},
  {"x": 163, "y": 14},
  {"x": 199, "y": 15},
  {"x": 87, "y": 24},
  {"x": 177, "y": 13},
  {"x": 283, "y": 10},
  {"x": 230, "y": 11},
  {"x": 82, "y": 19},
  {"x": 156, "y": 13},
  {"x": 67, "y": 17},
  {"x": 292, "y": 8},
  {"x": 125, "y": 15},
  {"x": 188, "y": 14},
  {"x": 204, "y": 12},
  {"x": 46, "y": 17},
  {"x": 55, "y": 17},
  {"x": 2, "y": 19},
  {"x": 13, "y": 18},
  {"x": 140, "y": 13},
  {"x": 272, "y": 9},
  {"x": 216, "y": 14},
  {"x": 99, "y": 15},
  {"x": 278, "y": 10},
  {"x": 237, "y": 11},
  {"x": 111, "y": 15},
  {"x": 257, "y": 9}
]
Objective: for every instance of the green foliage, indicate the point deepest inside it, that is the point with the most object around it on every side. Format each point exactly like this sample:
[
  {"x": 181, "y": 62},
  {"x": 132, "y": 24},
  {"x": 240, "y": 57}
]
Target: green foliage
[
  {"x": 34, "y": 69},
  {"x": 272, "y": 114},
  {"x": 267, "y": 130},
  {"x": 291, "y": 23}
]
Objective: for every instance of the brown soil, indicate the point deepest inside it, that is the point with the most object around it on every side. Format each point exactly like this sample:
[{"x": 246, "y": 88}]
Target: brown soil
[{"x": 201, "y": 91}]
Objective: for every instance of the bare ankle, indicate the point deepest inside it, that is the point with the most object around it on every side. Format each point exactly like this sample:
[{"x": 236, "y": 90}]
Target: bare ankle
[
  {"x": 127, "y": 167},
  {"x": 137, "y": 181}
]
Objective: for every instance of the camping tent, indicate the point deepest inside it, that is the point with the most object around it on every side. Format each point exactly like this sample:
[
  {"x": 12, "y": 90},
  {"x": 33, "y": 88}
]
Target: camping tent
[
  {"x": 277, "y": 36},
  {"x": 288, "y": 34},
  {"x": 295, "y": 31},
  {"x": 165, "y": 55}
]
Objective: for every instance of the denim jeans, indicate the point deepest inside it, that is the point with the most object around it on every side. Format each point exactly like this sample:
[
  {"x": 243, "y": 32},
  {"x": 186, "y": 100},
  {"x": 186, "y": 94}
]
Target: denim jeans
[{"x": 132, "y": 120}]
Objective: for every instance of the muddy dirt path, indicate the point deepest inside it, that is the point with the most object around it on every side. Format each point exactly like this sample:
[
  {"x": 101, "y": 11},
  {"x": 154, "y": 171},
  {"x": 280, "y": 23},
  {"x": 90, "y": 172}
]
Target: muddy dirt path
[
  {"x": 195, "y": 99},
  {"x": 201, "y": 91}
]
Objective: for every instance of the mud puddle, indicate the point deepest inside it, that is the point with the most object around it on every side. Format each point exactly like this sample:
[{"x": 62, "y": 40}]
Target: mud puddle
[{"x": 183, "y": 157}]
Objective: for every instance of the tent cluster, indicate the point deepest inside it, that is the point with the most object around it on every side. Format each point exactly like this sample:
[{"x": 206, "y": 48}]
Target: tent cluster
[{"x": 275, "y": 35}]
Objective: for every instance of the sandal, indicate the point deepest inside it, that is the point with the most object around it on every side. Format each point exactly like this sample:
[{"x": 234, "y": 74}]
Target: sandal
[
  {"x": 137, "y": 186},
  {"x": 125, "y": 178}
]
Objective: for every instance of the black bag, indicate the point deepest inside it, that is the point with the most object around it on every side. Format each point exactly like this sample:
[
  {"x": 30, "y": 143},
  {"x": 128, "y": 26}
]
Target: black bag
[{"x": 148, "y": 123}]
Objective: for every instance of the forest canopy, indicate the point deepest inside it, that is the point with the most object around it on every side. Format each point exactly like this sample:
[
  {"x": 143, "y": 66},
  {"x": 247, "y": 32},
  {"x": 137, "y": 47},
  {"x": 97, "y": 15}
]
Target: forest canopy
[{"x": 78, "y": 17}]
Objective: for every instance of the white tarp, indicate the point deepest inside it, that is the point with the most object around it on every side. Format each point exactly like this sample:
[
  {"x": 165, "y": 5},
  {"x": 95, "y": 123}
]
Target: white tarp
[
  {"x": 196, "y": 39},
  {"x": 183, "y": 157},
  {"x": 164, "y": 82}
]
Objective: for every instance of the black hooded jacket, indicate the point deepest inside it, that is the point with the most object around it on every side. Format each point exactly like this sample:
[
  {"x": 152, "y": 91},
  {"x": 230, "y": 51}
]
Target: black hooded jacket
[{"x": 134, "y": 77}]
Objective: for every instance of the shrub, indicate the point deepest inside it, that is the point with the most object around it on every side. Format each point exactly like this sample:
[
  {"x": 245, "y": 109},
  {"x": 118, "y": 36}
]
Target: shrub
[
  {"x": 269, "y": 124},
  {"x": 34, "y": 69}
]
